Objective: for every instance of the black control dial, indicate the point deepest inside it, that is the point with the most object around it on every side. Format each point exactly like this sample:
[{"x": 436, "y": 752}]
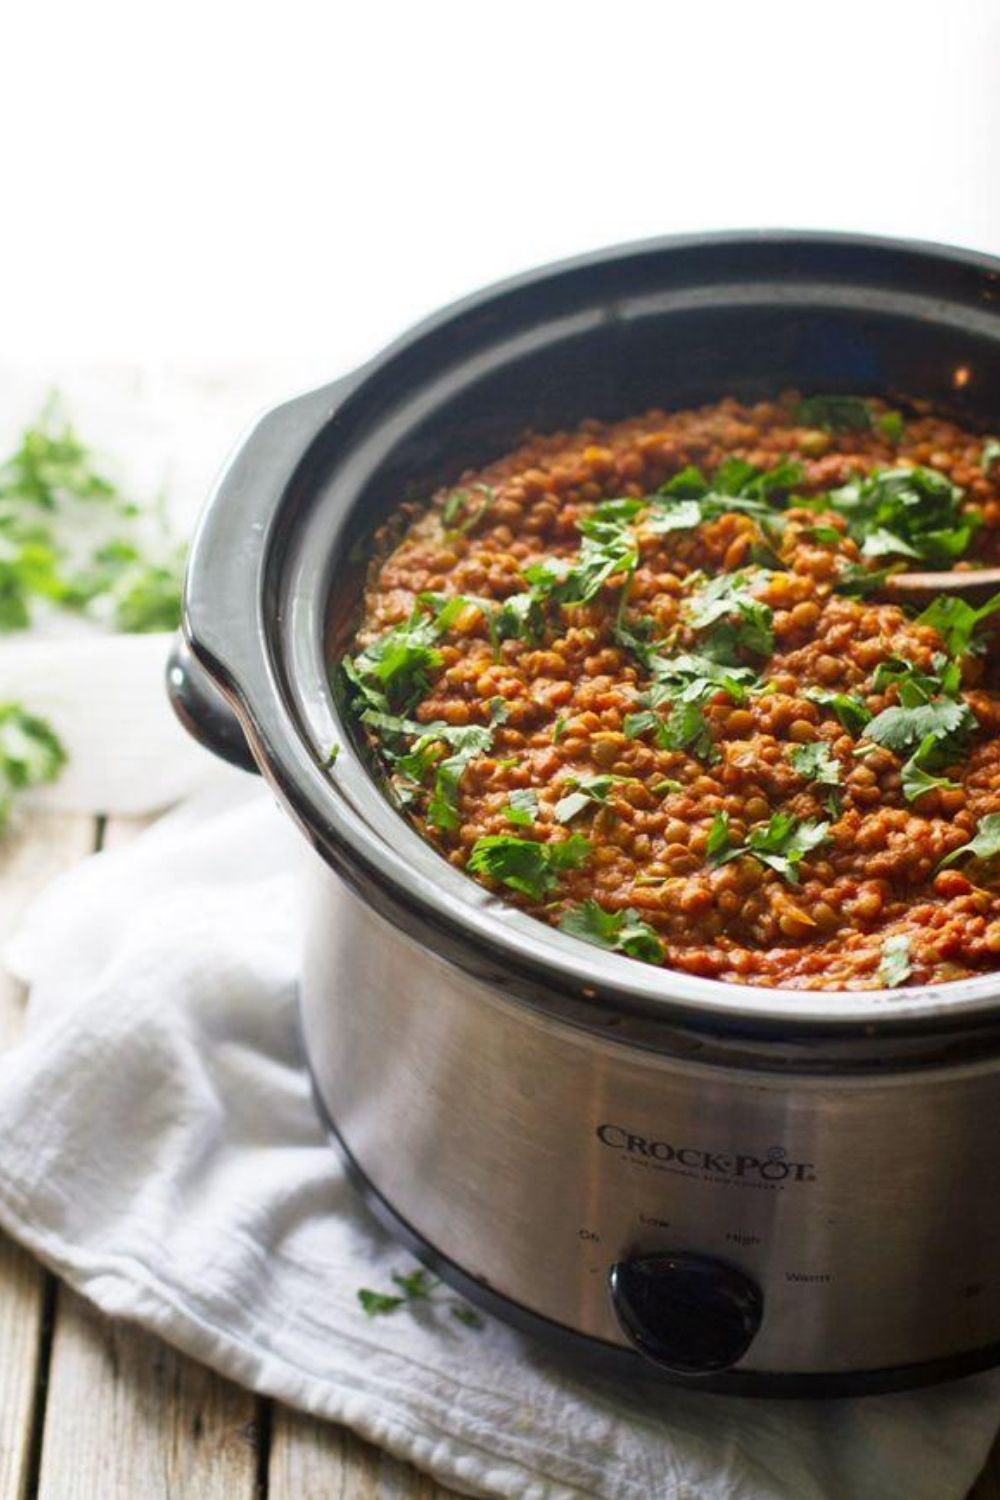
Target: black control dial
[{"x": 690, "y": 1313}]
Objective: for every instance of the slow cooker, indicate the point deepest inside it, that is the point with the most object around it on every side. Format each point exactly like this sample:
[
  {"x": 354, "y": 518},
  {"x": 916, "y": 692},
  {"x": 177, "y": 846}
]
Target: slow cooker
[{"x": 745, "y": 1189}]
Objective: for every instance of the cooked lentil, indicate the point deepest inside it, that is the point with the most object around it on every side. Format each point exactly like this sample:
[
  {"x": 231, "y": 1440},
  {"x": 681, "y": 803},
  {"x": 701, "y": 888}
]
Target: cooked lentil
[{"x": 672, "y": 730}]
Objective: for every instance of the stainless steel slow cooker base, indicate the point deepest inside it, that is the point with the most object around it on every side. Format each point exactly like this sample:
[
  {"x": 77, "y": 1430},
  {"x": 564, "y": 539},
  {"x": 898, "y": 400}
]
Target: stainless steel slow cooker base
[
  {"x": 528, "y": 1159},
  {"x": 627, "y": 1364}
]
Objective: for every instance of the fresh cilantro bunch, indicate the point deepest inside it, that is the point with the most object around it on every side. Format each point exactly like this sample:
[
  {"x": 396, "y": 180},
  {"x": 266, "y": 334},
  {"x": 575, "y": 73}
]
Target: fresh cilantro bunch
[
  {"x": 54, "y": 499},
  {"x": 30, "y": 754},
  {"x": 620, "y": 932},
  {"x": 781, "y": 844},
  {"x": 905, "y": 512}
]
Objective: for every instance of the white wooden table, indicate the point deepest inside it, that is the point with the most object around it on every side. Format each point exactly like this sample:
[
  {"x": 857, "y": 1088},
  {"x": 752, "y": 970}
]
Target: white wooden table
[{"x": 91, "y": 1409}]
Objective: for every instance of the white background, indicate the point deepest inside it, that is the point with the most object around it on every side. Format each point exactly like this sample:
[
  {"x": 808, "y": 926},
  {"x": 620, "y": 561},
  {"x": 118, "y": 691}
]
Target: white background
[{"x": 229, "y": 180}]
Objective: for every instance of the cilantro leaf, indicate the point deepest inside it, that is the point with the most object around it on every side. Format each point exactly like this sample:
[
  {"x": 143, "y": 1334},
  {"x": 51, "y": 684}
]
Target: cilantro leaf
[
  {"x": 522, "y": 805},
  {"x": 834, "y": 413},
  {"x": 990, "y": 454},
  {"x": 814, "y": 762},
  {"x": 609, "y": 547},
  {"x": 891, "y": 426},
  {"x": 587, "y": 789},
  {"x": 895, "y": 968},
  {"x": 984, "y": 845},
  {"x": 913, "y": 512},
  {"x": 31, "y": 754},
  {"x": 392, "y": 674},
  {"x": 955, "y": 620},
  {"x": 526, "y": 866},
  {"x": 781, "y": 844},
  {"x": 850, "y": 712},
  {"x": 903, "y": 729},
  {"x": 377, "y": 1304},
  {"x": 917, "y": 779},
  {"x": 731, "y": 618},
  {"x": 620, "y": 932}
]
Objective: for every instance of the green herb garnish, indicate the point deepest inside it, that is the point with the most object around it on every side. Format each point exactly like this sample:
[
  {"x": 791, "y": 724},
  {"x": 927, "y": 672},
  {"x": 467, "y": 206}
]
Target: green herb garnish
[
  {"x": 916, "y": 775},
  {"x": 834, "y": 413},
  {"x": 814, "y": 762},
  {"x": 891, "y": 426},
  {"x": 850, "y": 712},
  {"x": 531, "y": 868},
  {"x": 990, "y": 454},
  {"x": 905, "y": 512},
  {"x": 781, "y": 845},
  {"x": 31, "y": 754},
  {"x": 984, "y": 845},
  {"x": 522, "y": 807},
  {"x": 895, "y": 968},
  {"x": 415, "y": 1287},
  {"x": 929, "y": 708},
  {"x": 620, "y": 932},
  {"x": 730, "y": 618},
  {"x": 587, "y": 789},
  {"x": 956, "y": 621}
]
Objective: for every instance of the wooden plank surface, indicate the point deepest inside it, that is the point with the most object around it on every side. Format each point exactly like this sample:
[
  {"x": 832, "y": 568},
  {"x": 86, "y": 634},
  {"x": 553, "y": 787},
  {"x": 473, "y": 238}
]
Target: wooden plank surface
[
  {"x": 92, "y": 1409},
  {"x": 312, "y": 1460},
  {"x": 31, "y": 855}
]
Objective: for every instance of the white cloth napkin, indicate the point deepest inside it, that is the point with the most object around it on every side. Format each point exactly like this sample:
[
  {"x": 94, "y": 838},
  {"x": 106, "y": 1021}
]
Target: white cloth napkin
[{"x": 159, "y": 1149}]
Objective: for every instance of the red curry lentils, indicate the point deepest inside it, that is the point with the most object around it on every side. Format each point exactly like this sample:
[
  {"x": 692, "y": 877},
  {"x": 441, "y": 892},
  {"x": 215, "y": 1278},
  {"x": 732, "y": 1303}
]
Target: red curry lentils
[{"x": 643, "y": 680}]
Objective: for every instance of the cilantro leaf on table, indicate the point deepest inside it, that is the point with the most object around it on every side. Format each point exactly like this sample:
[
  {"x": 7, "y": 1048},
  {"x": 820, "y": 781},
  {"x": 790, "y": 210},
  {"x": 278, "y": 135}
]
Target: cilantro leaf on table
[
  {"x": 31, "y": 754},
  {"x": 956, "y": 621},
  {"x": 984, "y": 844},
  {"x": 834, "y": 413},
  {"x": 619, "y": 932},
  {"x": 415, "y": 1287},
  {"x": 895, "y": 968},
  {"x": 781, "y": 844},
  {"x": 912, "y": 512},
  {"x": 526, "y": 866}
]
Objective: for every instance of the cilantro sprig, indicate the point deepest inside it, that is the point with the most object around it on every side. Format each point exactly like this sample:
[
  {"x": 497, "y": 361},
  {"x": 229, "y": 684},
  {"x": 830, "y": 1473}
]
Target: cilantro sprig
[
  {"x": 781, "y": 844},
  {"x": 531, "y": 868},
  {"x": 414, "y": 1288},
  {"x": 956, "y": 621},
  {"x": 619, "y": 932},
  {"x": 905, "y": 512},
  {"x": 31, "y": 754},
  {"x": 834, "y": 413}
]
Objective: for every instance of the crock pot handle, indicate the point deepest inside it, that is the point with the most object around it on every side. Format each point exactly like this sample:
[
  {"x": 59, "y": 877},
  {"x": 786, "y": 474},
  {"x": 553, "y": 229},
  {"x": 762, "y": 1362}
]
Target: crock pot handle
[{"x": 204, "y": 710}]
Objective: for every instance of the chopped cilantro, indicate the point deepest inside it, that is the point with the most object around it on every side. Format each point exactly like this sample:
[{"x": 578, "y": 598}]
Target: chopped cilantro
[
  {"x": 834, "y": 413},
  {"x": 458, "y": 500},
  {"x": 850, "y": 712},
  {"x": 895, "y": 968},
  {"x": 990, "y": 454},
  {"x": 620, "y": 932},
  {"x": 891, "y": 426},
  {"x": 955, "y": 620},
  {"x": 559, "y": 728},
  {"x": 929, "y": 708},
  {"x": 917, "y": 778},
  {"x": 587, "y": 789},
  {"x": 524, "y": 865},
  {"x": 609, "y": 548},
  {"x": 814, "y": 762},
  {"x": 522, "y": 805},
  {"x": 909, "y": 512},
  {"x": 781, "y": 845},
  {"x": 332, "y": 756},
  {"x": 731, "y": 619},
  {"x": 415, "y": 1286},
  {"x": 392, "y": 674},
  {"x": 984, "y": 845}
]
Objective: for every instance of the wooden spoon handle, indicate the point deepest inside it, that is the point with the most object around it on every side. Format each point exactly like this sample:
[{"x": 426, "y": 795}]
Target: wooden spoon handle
[{"x": 974, "y": 585}]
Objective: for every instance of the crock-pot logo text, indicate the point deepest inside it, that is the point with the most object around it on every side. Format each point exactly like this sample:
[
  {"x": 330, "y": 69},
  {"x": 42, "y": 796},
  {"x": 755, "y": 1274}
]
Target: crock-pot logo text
[{"x": 771, "y": 1166}]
